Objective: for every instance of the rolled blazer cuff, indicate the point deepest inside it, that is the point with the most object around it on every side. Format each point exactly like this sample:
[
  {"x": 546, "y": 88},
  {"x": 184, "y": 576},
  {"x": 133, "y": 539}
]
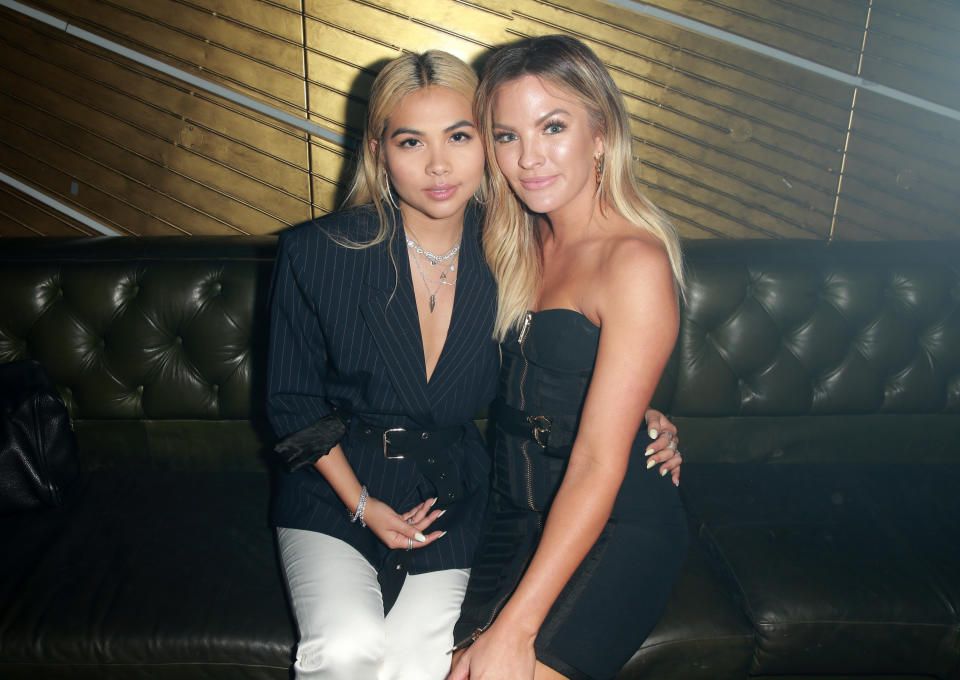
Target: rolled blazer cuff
[{"x": 307, "y": 446}]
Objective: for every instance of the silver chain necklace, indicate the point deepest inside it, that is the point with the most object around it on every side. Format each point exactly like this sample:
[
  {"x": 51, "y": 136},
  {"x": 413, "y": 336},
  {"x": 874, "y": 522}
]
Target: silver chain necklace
[{"x": 433, "y": 259}]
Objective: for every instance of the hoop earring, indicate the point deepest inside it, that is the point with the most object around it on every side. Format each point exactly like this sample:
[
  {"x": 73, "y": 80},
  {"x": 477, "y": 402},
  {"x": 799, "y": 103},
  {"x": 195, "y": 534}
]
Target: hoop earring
[
  {"x": 598, "y": 167},
  {"x": 386, "y": 181}
]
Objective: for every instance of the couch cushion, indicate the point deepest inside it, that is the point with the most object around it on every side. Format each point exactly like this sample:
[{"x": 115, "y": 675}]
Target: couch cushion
[
  {"x": 148, "y": 574},
  {"x": 840, "y": 568}
]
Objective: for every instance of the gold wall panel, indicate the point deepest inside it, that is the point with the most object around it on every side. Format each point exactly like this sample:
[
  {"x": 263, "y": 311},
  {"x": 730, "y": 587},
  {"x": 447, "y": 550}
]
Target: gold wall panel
[
  {"x": 21, "y": 215},
  {"x": 902, "y": 173},
  {"x": 329, "y": 165},
  {"x": 173, "y": 160},
  {"x": 732, "y": 144},
  {"x": 912, "y": 46},
  {"x": 414, "y": 25},
  {"x": 181, "y": 169},
  {"x": 825, "y": 31},
  {"x": 263, "y": 65},
  {"x": 728, "y": 145}
]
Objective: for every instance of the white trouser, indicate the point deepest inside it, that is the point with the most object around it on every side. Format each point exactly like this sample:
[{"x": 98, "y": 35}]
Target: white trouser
[{"x": 339, "y": 610}]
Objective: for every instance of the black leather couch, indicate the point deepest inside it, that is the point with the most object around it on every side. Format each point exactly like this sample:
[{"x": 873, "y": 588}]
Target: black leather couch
[{"x": 817, "y": 388}]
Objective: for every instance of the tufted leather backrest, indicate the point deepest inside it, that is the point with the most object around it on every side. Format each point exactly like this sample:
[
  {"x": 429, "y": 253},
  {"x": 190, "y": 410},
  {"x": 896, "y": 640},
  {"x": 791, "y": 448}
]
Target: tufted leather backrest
[
  {"x": 144, "y": 336},
  {"x": 787, "y": 350},
  {"x": 781, "y": 339},
  {"x": 810, "y": 328}
]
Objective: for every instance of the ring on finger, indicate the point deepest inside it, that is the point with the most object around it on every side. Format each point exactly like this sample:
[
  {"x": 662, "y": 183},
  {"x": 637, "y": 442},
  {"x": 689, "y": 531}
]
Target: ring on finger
[
  {"x": 409, "y": 544},
  {"x": 672, "y": 445}
]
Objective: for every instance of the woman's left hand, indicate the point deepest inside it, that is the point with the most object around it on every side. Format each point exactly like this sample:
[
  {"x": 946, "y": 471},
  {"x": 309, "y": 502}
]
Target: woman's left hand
[
  {"x": 497, "y": 654},
  {"x": 665, "y": 447}
]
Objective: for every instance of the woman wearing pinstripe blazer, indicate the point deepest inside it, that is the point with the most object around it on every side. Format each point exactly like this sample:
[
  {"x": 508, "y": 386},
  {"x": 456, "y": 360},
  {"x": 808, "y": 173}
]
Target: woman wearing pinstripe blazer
[{"x": 376, "y": 370}]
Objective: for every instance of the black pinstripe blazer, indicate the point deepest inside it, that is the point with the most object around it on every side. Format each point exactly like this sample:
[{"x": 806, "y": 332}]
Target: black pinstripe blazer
[{"x": 345, "y": 335}]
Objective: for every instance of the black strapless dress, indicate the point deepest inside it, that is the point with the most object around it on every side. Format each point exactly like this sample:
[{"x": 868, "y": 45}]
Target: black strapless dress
[{"x": 618, "y": 593}]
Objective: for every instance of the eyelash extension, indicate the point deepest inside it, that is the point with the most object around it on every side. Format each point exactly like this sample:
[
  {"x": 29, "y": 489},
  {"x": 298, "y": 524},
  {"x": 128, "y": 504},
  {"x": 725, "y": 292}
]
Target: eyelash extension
[{"x": 555, "y": 123}]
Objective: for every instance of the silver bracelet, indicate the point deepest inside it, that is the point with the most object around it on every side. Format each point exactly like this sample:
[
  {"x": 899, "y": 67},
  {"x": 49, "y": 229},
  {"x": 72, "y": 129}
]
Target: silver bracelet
[{"x": 361, "y": 506}]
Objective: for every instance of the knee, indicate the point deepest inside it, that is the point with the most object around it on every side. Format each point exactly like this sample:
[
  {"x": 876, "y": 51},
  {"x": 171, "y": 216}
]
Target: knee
[{"x": 347, "y": 653}]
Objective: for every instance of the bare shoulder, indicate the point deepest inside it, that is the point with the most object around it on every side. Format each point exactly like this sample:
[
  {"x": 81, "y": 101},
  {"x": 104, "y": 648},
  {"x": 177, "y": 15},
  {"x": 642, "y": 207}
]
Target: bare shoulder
[{"x": 635, "y": 259}]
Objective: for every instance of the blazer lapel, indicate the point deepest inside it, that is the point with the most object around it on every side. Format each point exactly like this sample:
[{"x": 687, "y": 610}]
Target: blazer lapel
[
  {"x": 471, "y": 324},
  {"x": 395, "y": 326}
]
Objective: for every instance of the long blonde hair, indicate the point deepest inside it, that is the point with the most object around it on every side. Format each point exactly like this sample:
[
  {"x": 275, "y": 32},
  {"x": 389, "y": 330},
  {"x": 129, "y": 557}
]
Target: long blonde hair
[
  {"x": 510, "y": 237},
  {"x": 402, "y": 76}
]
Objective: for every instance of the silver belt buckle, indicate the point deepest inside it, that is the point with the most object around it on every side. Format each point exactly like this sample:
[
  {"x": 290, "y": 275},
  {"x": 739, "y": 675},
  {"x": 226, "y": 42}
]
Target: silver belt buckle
[{"x": 386, "y": 442}]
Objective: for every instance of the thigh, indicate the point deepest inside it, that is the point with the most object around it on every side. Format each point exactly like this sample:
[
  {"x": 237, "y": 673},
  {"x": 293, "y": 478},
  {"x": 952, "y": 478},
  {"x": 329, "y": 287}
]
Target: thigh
[
  {"x": 613, "y": 600},
  {"x": 419, "y": 627},
  {"x": 333, "y": 589}
]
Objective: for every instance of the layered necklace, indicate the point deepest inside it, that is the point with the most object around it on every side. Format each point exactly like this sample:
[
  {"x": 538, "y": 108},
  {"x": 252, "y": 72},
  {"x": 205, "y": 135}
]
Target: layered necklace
[{"x": 439, "y": 264}]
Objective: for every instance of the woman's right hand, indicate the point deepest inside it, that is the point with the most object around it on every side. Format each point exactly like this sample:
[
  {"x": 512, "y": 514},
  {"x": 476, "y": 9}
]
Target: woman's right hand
[{"x": 402, "y": 531}]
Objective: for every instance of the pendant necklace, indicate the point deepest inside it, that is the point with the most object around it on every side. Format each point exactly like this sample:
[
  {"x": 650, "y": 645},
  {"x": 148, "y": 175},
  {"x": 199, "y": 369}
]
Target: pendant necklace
[{"x": 434, "y": 260}]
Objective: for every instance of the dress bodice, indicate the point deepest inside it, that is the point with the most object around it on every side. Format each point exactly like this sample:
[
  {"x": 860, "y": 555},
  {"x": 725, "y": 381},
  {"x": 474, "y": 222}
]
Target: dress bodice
[{"x": 548, "y": 362}]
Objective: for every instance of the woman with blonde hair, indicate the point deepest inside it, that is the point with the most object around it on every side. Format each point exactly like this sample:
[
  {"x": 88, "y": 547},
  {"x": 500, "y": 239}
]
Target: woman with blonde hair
[
  {"x": 380, "y": 356},
  {"x": 584, "y": 540}
]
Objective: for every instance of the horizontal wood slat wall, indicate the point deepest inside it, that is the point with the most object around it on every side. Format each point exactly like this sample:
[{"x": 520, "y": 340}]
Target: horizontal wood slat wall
[{"x": 731, "y": 143}]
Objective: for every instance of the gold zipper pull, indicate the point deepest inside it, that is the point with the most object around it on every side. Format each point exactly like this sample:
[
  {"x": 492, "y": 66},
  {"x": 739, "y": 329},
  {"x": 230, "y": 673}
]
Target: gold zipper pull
[
  {"x": 525, "y": 328},
  {"x": 466, "y": 641}
]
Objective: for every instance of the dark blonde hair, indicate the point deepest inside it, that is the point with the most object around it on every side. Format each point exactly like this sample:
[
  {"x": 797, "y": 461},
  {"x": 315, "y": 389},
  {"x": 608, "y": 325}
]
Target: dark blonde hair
[
  {"x": 510, "y": 239},
  {"x": 402, "y": 76}
]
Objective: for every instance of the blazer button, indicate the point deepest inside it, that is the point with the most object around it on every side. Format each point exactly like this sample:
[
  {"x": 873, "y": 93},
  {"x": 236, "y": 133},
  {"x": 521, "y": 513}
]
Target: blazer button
[
  {"x": 451, "y": 495},
  {"x": 424, "y": 435},
  {"x": 443, "y": 475},
  {"x": 431, "y": 460},
  {"x": 367, "y": 430}
]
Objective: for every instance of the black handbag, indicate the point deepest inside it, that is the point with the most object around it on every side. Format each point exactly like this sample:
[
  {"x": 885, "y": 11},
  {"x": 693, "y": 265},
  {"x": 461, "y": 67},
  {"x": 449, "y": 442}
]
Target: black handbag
[{"x": 39, "y": 458}]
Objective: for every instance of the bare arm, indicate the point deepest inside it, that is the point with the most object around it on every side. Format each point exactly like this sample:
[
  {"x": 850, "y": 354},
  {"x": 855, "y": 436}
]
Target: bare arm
[
  {"x": 390, "y": 527},
  {"x": 630, "y": 359}
]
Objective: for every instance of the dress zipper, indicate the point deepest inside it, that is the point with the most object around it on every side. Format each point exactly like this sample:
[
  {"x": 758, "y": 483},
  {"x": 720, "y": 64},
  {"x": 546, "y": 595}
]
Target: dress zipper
[
  {"x": 521, "y": 339},
  {"x": 477, "y": 632},
  {"x": 524, "y": 332}
]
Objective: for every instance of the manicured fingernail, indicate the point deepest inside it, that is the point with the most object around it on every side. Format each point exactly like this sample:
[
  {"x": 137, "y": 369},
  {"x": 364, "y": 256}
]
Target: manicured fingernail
[
  {"x": 420, "y": 538},
  {"x": 653, "y": 433},
  {"x": 651, "y": 463},
  {"x": 433, "y": 501},
  {"x": 663, "y": 473},
  {"x": 676, "y": 482},
  {"x": 441, "y": 513},
  {"x": 648, "y": 452},
  {"x": 442, "y": 534}
]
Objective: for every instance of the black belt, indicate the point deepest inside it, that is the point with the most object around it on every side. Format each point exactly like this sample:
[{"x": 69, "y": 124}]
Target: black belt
[
  {"x": 429, "y": 449},
  {"x": 554, "y": 434}
]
